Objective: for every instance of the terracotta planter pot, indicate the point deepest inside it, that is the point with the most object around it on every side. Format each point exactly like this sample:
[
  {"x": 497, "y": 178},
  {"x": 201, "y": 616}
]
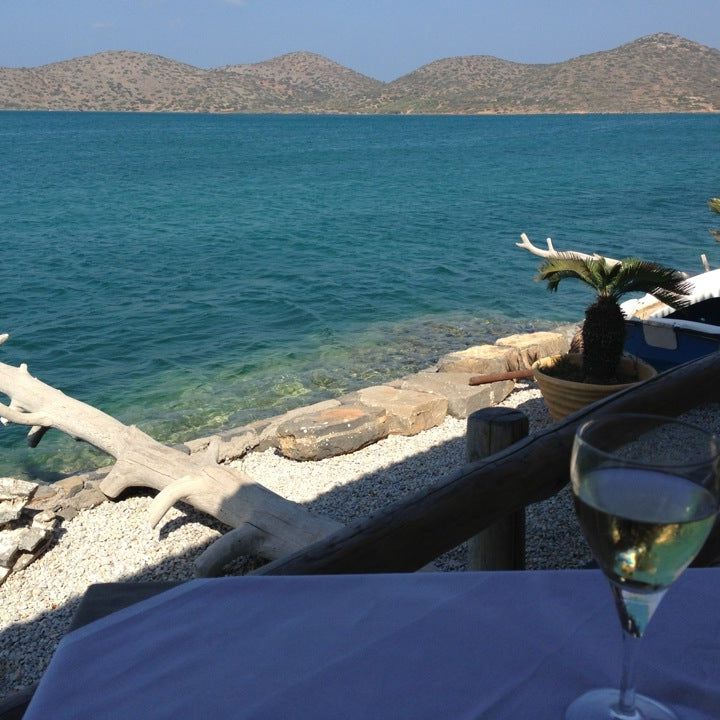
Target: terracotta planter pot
[{"x": 564, "y": 397}]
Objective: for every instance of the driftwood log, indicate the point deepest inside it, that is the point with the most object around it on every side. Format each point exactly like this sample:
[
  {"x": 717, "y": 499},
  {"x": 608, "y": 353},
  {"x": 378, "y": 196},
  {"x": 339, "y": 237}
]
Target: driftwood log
[
  {"x": 415, "y": 531},
  {"x": 265, "y": 524}
]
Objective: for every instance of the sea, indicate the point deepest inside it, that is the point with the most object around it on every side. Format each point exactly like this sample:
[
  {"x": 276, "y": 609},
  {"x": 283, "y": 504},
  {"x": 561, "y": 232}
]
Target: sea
[{"x": 187, "y": 273}]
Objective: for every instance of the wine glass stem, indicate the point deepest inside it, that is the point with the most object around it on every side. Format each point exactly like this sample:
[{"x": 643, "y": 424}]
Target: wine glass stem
[
  {"x": 635, "y": 611},
  {"x": 626, "y": 702}
]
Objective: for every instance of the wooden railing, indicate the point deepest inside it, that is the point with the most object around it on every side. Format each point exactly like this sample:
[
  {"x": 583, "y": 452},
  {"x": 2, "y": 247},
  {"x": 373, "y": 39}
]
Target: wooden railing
[{"x": 412, "y": 533}]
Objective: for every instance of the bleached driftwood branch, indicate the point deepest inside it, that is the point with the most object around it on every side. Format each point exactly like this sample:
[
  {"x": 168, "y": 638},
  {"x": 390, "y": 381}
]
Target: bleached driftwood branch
[
  {"x": 264, "y": 523},
  {"x": 552, "y": 252}
]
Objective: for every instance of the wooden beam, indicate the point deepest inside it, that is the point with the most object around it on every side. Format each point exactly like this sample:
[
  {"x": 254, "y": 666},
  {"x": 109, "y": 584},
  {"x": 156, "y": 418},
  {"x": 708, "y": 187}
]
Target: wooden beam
[
  {"x": 412, "y": 533},
  {"x": 502, "y": 545}
]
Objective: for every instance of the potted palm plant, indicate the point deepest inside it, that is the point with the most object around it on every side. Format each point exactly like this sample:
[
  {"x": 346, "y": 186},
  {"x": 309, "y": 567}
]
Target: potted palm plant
[
  {"x": 714, "y": 205},
  {"x": 569, "y": 382}
]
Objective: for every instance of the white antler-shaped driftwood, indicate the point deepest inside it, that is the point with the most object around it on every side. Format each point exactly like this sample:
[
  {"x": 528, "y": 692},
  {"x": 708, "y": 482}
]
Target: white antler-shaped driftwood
[
  {"x": 552, "y": 252},
  {"x": 265, "y": 523}
]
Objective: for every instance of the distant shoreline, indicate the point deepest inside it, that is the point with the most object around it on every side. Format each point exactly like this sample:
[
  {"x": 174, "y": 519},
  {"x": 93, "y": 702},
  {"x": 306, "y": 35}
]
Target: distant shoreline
[{"x": 580, "y": 113}]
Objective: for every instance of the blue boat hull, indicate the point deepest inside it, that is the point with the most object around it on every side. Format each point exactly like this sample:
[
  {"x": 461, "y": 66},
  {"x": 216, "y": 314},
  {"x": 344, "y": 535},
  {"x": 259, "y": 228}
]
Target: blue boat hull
[{"x": 689, "y": 345}]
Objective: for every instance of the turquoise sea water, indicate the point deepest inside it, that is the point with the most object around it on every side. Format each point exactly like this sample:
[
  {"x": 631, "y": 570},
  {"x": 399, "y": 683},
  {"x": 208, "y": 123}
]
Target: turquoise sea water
[{"x": 190, "y": 272}]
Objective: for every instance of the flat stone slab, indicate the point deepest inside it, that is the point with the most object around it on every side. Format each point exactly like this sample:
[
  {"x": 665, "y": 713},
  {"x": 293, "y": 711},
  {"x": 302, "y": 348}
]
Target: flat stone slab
[
  {"x": 533, "y": 346},
  {"x": 9, "y": 546},
  {"x": 259, "y": 435},
  {"x": 269, "y": 437},
  {"x": 233, "y": 444},
  {"x": 569, "y": 331},
  {"x": 30, "y": 539},
  {"x": 70, "y": 485},
  {"x": 45, "y": 520},
  {"x": 15, "y": 494},
  {"x": 332, "y": 431},
  {"x": 462, "y": 399},
  {"x": 481, "y": 360},
  {"x": 23, "y": 560},
  {"x": 86, "y": 499},
  {"x": 11, "y": 510},
  {"x": 408, "y": 411},
  {"x": 66, "y": 512},
  {"x": 12, "y": 488},
  {"x": 15, "y": 544},
  {"x": 45, "y": 491}
]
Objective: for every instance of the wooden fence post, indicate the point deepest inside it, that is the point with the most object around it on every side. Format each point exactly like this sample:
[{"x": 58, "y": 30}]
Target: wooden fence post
[{"x": 502, "y": 545}]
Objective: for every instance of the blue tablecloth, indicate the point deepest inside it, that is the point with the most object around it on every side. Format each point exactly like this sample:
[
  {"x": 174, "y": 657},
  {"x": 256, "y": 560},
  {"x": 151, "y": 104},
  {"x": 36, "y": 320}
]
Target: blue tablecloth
[{"x": 441, "y": 646}]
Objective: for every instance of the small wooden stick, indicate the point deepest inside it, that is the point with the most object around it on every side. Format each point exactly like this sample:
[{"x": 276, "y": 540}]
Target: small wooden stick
[{"x": 497, "y": 377}]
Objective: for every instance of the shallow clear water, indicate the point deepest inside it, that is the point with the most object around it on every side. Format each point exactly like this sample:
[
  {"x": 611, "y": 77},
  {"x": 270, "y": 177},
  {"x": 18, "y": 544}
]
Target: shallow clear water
[{"x": 189, "y": 272}]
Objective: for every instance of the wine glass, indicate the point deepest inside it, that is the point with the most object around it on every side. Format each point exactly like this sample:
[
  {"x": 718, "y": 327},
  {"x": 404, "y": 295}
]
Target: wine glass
[{"x": 646, "y": 493}]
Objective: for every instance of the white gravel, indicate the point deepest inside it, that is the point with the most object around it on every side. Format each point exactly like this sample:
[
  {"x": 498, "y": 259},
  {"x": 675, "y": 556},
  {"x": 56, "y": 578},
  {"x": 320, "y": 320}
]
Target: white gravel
[{"x": 113, "y": 542}]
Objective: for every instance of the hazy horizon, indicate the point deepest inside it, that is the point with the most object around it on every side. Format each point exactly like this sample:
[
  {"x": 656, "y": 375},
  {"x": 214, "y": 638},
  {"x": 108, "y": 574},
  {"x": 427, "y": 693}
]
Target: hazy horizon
[{"x": 384, "y": 39}]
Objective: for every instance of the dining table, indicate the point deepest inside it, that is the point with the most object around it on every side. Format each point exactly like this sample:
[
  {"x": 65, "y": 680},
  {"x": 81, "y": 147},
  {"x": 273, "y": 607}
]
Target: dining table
[{"x": 428, "y": 645}]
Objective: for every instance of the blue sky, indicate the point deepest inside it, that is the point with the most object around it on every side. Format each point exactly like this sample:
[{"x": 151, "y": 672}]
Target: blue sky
[{"x": 382, "y": 38}]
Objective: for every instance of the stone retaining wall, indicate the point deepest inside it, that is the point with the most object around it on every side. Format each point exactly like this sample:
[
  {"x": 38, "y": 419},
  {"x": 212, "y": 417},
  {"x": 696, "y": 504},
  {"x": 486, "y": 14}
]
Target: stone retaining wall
[{"x": 405, "y": 406}]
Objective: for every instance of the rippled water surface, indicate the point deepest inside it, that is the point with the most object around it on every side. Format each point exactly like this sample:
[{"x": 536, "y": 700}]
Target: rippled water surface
[{"x": 189, "y": 272}]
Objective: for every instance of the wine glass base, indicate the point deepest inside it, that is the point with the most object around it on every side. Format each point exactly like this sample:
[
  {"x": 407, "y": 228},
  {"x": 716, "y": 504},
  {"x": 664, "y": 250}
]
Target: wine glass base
[{"x": 601, "y": 705}]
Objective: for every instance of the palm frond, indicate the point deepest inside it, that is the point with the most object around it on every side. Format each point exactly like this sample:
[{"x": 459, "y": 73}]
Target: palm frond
[
  {"x": 566, "y": 265},
  {"x": 665, "y": 283},
  {"x": 605, "y": 275}
]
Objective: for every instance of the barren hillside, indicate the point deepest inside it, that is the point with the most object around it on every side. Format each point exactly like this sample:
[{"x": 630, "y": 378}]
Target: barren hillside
[{"x": 657, "y": 73}]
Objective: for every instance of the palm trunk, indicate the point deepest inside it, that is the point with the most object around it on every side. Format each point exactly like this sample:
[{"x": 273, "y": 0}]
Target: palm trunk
[{"x": 603, "y": 340}]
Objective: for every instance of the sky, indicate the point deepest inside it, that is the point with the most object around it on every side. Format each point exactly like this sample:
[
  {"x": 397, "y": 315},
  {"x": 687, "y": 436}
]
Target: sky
[{"x": 381, "y": 38}]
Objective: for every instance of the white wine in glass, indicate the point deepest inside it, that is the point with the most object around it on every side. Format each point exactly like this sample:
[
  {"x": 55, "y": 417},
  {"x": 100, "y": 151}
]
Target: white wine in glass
[{"x": 646, "y": 494}]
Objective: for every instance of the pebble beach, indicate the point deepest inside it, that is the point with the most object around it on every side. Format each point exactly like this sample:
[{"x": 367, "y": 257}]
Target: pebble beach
[{"x": 114, "y": 542}]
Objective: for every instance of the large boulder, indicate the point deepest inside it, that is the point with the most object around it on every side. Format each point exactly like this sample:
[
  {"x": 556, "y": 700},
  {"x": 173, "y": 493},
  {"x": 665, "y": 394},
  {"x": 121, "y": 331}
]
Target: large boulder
[
  {"x": 408, "y": 411},
  {"x": 463, "y": 399},
  {"x": 533, "y": 346},
  {"x": 333, "y": 431},
  {"x": 481, "y": 360}
]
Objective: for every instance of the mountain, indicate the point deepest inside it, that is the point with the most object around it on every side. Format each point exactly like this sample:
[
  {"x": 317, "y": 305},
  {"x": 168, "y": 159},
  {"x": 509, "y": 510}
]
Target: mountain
[
  {"x": 657, "y": 73},
  {"x": 107, "y": 81},
  {"x": 307, "y": 79},
  {"x": 298, "y": 82}
]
